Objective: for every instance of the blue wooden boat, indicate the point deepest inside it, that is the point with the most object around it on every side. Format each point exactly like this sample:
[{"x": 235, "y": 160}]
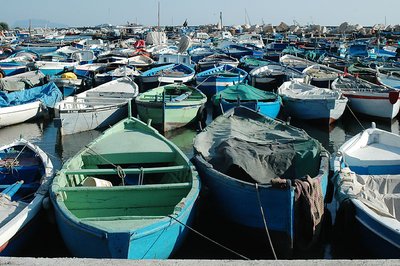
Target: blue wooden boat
[
  {"x": 26, "y": 173},
  {"x": 389, "y": 77},
  {"x": 166, "y": 74},
  {"x": 214, "y": 80},
  {"x": 265, "y": 102},
  {"x": 17, "y": 63},
  {"x": 129, "y": 194},
  {"x": 239, "y": 183},
  {"x": 216, "y": 59},
  {"x": 11, "y": 68},
  {"x": 308, "y": 102},
  {"x": 236, "y": 51},
  {"x": 367, "y": 180}
]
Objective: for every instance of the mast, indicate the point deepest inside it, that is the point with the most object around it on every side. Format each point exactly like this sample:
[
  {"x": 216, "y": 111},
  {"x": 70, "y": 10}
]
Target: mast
[{"x": 220, "y": 19}]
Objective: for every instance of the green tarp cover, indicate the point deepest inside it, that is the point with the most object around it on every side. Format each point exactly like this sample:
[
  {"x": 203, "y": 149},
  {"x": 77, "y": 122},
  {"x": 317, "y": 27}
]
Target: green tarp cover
[
  {"x": 258, "y": 150},
  {"x": 245, "y": 93}
]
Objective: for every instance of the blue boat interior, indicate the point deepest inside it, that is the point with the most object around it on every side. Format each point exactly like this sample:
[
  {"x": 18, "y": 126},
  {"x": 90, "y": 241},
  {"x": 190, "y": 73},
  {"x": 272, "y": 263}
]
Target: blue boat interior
[{"x": 20, "y": 165}]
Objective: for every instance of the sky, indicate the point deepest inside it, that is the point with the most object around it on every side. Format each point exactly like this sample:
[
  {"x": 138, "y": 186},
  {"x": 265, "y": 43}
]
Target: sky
[{"x": 199, "y": 12}]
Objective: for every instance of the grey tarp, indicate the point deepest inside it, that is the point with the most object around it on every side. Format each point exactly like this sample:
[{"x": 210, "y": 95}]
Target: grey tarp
[
  {"x": 21, "y": 81},
  {"x": 251, "y": 145}
]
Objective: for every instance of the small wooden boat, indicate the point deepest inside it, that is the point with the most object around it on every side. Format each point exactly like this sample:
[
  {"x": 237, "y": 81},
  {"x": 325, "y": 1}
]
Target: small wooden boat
[
  {"x": 26, "y": 173},
  {"x": 216, "y": 79},
  {"x": 321, "y": 76},
  {"x": 367, "y": 180},
  {"x": 20, "y": 106},
  {"x": 169, "y": 73},
  {"x": 99, "y": 107},
  {"x": 308, "y": 102},
  {"x": 140, "y": 61},
  {"x": 367, "y": 98},
  {"x": 118, "y": 72},
  {"x": 129, "y": 194},
  {"x": 265, "y": 102},
  {"x": 171, "y": 106},
  {"x": 250, "y": 62},
  {"x": 295, "y": 62},
  {"x": 388, "y": 76},
  {"x": 239, "y": 183},
  {"x": 215, "y": 60},
  {"x": 270, "y": 77}
]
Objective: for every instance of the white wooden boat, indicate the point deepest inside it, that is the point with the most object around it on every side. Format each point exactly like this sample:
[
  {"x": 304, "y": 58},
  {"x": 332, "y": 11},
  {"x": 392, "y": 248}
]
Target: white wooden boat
[
  {"x": 20, "y": 106},
  {"x": 96, "y": 108},
  {"x": 367, "y": 179},
  {"x": 368, "y": 98}
]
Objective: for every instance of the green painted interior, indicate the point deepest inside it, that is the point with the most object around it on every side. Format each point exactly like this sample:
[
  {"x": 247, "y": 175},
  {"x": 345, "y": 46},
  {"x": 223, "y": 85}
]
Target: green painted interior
[{"x": 94, "y": 202}]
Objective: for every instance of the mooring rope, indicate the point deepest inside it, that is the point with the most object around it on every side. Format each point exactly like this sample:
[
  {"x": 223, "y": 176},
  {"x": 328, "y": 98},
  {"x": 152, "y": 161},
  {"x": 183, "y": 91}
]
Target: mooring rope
[
  {"x": 120, "y": 171},
  {"x": 351, "y": 111},
  {"x": 265, "y": 223},
  {"x": 209, "y": 239}
]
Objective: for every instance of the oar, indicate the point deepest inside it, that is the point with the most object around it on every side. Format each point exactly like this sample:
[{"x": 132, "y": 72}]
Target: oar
[{"x": 11, "y": 190}]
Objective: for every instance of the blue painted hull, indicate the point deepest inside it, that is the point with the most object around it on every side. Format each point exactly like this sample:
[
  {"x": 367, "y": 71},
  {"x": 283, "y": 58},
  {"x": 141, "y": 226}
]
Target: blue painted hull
[
  {"x": 373, "y": 230},
  {"x": 383, "y": 242},
  {"x": 270, "y": 109},
  {"x": 210, "y": 82},
  {"x": 52, "y": 72},
  {"x": 237, "y": 200},
  {"x": 10, "y": 69},
  {"x": 157, "y": 241}
]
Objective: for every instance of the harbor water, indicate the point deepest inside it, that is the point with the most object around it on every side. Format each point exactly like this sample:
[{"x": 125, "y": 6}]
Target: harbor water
[{"x": 213, "y": 237}]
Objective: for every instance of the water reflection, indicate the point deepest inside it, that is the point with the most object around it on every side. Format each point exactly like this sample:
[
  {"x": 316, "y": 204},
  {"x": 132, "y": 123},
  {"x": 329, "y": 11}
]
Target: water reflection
[{"x": 31, "y": 131}]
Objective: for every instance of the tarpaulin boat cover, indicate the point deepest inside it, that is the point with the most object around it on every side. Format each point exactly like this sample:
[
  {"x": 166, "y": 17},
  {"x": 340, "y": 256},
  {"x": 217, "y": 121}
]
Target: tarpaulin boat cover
[
  {"x": 245, "y": 93},
  {"x": 381, "y": 193},
  {"x": 48, "y": 94},
  {"x": 248, "y": 146},
  {"x": 21, "y": 81}
]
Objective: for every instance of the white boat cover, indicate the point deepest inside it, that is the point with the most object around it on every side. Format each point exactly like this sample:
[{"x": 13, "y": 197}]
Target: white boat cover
[
  {"x": 381, "y": 193},
  {"x": 299, "y": 90}
]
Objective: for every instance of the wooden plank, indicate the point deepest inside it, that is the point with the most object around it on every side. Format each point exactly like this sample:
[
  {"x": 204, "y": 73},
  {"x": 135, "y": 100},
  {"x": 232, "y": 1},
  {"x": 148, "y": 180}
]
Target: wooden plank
[{"x": 166, "y": 169}]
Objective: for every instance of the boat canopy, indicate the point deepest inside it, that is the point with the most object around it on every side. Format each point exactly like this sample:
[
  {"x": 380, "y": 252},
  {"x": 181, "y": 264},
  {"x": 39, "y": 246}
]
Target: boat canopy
[
  {"x": 258, "y": 150},
  {"x": 48, "y": 94},
  {"x": 245, "y": 93}
]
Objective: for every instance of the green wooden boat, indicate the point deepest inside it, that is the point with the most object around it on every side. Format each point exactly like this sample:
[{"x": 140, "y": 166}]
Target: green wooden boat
[
  {"x": 127, "y": 194},
  {"x": 171, "y": 106}
]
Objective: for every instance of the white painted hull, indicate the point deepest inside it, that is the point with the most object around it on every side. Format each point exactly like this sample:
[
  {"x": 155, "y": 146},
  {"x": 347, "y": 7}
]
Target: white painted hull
[
  {"x": 20, "y": 113},
  {"x": 99, "y": 107},
  {"x": 372, "y": 104},
  {"x": 89, "y": 119}
]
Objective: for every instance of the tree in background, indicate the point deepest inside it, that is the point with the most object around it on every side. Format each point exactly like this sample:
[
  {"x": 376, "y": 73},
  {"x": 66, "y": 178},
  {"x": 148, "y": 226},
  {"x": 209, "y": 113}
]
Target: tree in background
[{"x": 4, "y": 26}]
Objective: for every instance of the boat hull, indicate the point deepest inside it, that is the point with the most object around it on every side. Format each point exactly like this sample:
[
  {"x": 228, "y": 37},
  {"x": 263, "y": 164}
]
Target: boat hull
[
  {"x": 170, "y": 116},
  {"x": 160, "y": 242},
  {"x": 238, "y": 202},
  {"x": 21, "y": 113},
  {"x": 372, "y": 104},
  {"x": 327, "y": 110},
  {"x": 71, "y": 122}
]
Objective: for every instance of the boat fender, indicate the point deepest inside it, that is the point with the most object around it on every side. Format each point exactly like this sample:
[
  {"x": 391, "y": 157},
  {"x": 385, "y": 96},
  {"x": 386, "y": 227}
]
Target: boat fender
[
  {"x": 393, "y": 96},
  {"x": 2, "y": 74}
]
